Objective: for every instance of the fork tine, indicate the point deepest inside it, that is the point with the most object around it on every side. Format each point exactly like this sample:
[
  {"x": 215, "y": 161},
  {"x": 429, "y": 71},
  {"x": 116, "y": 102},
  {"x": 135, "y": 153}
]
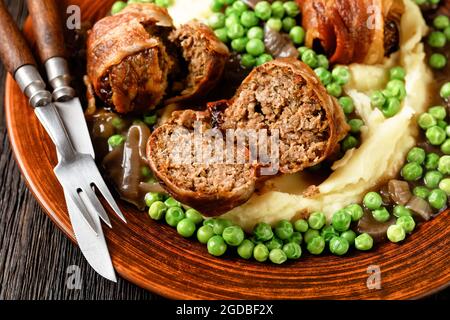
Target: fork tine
[
  {"x": 91, "y": 198},
  {"x": 84, "y": 213},
  {"x": 103, "y": 188}
]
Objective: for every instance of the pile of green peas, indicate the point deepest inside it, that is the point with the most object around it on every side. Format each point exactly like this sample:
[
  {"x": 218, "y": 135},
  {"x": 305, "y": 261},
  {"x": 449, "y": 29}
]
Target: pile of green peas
[
  {"x": 438, "y": 39},
  {"x": 389, "y": 100},
  {"x": 277, "y": 244},
  {"x": 242, "y": 28},
  {"x": 120, "y": 5}
]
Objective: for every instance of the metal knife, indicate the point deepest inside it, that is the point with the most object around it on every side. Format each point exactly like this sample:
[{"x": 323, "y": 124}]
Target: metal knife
[{"x": 48, "y": 30}]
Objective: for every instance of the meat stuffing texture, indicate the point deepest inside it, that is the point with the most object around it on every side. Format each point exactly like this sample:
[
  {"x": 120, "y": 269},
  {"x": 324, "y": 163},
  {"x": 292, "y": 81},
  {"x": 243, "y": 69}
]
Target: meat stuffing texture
[
  {"x": 136, "y": 59},
  {"x": 283, "y": 95}
]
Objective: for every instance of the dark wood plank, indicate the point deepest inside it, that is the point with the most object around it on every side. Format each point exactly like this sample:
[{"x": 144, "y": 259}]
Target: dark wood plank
[{"x": 34, "y": 254}]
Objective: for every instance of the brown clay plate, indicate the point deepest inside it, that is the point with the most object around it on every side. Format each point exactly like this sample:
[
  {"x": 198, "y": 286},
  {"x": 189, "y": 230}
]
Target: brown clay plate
[{"x": 153, "y": 256}]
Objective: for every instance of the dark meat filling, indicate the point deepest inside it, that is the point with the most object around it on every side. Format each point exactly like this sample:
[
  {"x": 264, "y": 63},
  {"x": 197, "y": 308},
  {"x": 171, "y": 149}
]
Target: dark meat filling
[{"x": 391, "y": 38}]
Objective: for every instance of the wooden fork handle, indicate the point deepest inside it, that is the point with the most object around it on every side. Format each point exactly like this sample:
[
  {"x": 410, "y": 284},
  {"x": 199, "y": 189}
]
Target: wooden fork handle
[
  {"x": 48, "y": 28},
  {"x": 14, "y": 50}
]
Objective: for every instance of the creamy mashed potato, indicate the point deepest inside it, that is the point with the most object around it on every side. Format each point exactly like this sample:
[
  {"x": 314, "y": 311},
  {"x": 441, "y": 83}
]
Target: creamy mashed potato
[{"x": 385, "y": 142}]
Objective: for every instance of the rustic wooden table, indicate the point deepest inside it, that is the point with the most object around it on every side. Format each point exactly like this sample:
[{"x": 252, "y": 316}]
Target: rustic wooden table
[{"x": 34, "y": 254}]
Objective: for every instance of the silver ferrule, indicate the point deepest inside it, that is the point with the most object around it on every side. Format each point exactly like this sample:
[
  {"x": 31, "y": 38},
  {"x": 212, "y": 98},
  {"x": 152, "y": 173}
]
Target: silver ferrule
[
  {"x": 32, "y": 85},
  {"x": 59, "y": 77}
]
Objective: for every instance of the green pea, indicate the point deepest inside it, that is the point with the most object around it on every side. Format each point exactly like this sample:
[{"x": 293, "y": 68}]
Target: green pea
[
  {"x": 284, "y": 230},
  {"x": 220, "y": 225},
  {"x": 350, "y": 142},
  {"x": 248, "y": 61},
  {"x": 116, "y": 140},
  {"x": 341, "y": 75},
  {"x": 174, "y": 215},
  {"x": 302, "y": 50},
  {"x": 235, "y": 31},
  {"x": 373, "y": 200},
  {"x": 204, "y": 233},
  {"x": 377, "y": 99},
  {"x": 381, "y": 215},
  {"x": 217, "y": 20},
  {"x": 297, "y": 35},
  {"x": 350, "y": 236},
  {"x": 274, "y": 243},
  {"x": 278, "y": 9},
  {"x": 407, "y": 223},
  {"x": 397, "y": 73},
  {"x": 157, "y": 210},
  {"x": 117, "y": 7},
  {"x": 245, "y": 250},
  {"x": 355, "y": 125},
  {"x": 441, "y": 22},
  {"x": 301, "y": 225},
  {"x": 260, "y": 252},
  {"x": 364, "y": 242},
  {"x": 152, "y": 197},
  {"x": 255, "y": 47},
  {"x": 334, "y": 89},
  {"x": 263, "y": 10},
  {"x": 230, "y": 11},
  {"x": 316, "y": 245},
  {"x": 317, "y": 220},
  {"x": 209, "y": 222},
  {"x": 401, "y": 211},
  {"x": 437, "y": 199},
  {"x": 118, "y": 123},
  {"x": 421, "y": 192},
  {"x": 347, "y": 104},
  {"x": 412, "y": 171},
  {"x": 442, "y": 124},
  {"x": 194, "y": 216},
  {"x": 222, "y": 34},
  {"x": 444, "y": 185},
  {"x": 310, "y": 58},
  {"x": 437, "y": 39},
  {"x": 216, "y": 6},
  {"x": 417, "y": 155},
  {"x": 171, "y": 202},
  {"x": 263, "y": 232},
  {"x": 341, "y": 220},
  {"x": 239, "y": 44},
  {"x": 240, "y": 7},
  {"x": 436, "y": 135},
  {"x": 427, "y": 121},
  {"x": 445, "y": 91},
  {"x": 291, "y": 8},
  {"x": 324, "y": 75},
  {"x": 431, "y": 161},
  {"x": 288, "y": 24},
  {"x": 438, "y": 112},
  {"x": 323, "y": 61},
  {"x": 277, "y": 256},
  {"x": 296, "y": 237},
  {"x": 432, "y": 179},
  {"x": 216, "y": 246},
  {"x": 328, "y": 232},
  {"x": 339, "y": 246},
  {"x": 233, "y": 235},
  {"x": 163, "y": 3},
  {"x": 437, "y": 61},
  {"x": 396, "y": 233},
  {"x": 249, "y": 19},
  {"x": 186, "y": 228},
  {"x": 310, "y": 234},
  {"x": 264, "y": 58},
  {"x": 391, "y": 107},
  {"x": 292, "y": 250},
  {"x": 275, "y": 24},
  {"x": 396, "y": 89},
  {"x": 355, "y": 211},
  {"x": 255, "y": 33}
]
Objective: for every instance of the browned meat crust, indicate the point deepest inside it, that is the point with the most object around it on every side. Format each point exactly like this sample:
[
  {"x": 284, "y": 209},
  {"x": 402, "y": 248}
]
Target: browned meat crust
[
  {"x": 287, "y": 96},
  {"x": 212, "y": 188},
  {"x": 362, "y": 31},
  {"x": 134, "y": 56},
  {"x": 206, "y": 57}
]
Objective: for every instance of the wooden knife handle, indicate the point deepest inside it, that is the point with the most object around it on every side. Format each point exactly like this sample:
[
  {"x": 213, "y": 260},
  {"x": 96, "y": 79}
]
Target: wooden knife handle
[
  {"x": 47, "y": 28},
  {"x": 14, "y": 50}
]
